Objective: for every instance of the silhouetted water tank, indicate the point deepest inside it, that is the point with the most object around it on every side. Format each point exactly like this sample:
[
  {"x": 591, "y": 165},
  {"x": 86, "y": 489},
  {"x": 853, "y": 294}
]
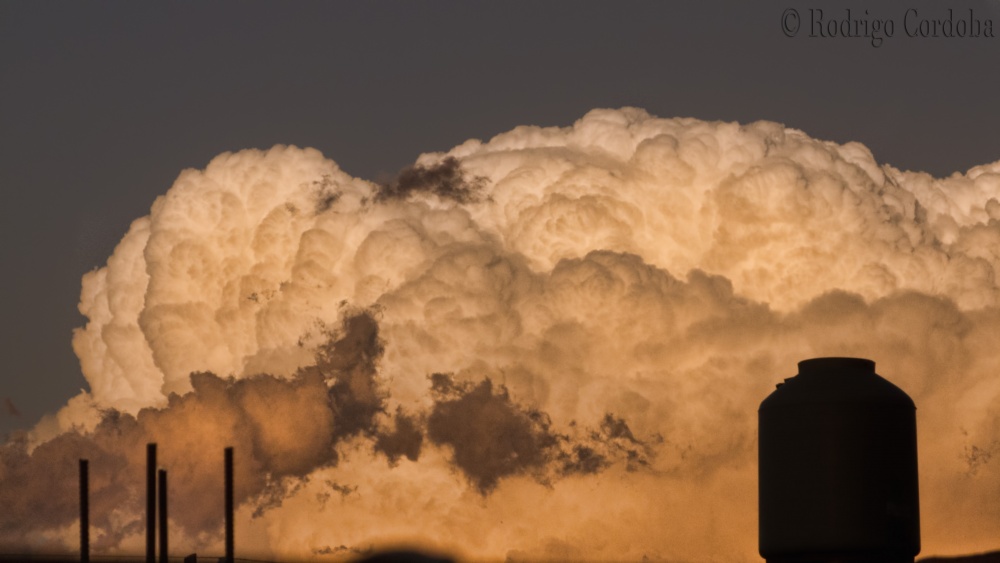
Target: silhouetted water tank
[{"x": 838, "y": 467}]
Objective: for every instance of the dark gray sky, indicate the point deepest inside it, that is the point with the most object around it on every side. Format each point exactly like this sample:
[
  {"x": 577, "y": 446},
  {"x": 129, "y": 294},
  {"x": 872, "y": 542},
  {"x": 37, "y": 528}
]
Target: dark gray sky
[{"x": 102, "y": 104}]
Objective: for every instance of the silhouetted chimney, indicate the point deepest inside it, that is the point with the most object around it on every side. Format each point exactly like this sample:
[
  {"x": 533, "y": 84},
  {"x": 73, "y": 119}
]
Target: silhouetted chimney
[
  {"x": 229, "y": 505},
  {"x": 84, "y": 512},
  {"x": 163, "y": 515},
  {"x": 150, "y": 503},
  {"x": 838, "y": 467}
]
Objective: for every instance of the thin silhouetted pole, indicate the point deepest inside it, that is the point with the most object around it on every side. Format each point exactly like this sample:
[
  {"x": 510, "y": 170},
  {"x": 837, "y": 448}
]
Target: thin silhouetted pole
[
  {"x": 84, "y": 512},
  {"x": 150, "y": 503},
  {"x": 163, "y": 515},
  {"x": 229, "y": 505}
]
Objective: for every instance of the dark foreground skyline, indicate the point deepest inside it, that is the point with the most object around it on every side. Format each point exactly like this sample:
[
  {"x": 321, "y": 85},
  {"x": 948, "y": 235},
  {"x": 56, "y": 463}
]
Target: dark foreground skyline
[
  {"x": 103, "y": 104},
  {"x": 990, "y": 557}
]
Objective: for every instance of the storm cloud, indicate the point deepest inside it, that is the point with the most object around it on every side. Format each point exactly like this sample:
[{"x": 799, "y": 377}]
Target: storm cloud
[{"x": 604, "y": 305}]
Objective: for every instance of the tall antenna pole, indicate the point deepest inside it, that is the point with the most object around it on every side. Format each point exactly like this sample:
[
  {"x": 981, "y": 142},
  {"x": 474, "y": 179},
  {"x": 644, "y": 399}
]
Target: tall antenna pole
[
  {"x": 151, "y": 503},
  {"x": 229, "y": 504},
  {"x": 163, "y": 516},
  {"x": 84, "y": 512}
]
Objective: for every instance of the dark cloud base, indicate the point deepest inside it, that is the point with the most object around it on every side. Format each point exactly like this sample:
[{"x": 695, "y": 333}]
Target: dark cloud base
[{"x": 283, "y": 430}]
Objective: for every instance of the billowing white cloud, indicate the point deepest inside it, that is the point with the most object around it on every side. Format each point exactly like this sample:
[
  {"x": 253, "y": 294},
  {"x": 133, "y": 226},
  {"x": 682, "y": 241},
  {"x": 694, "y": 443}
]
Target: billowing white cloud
[{"x": 631, "y": 287}]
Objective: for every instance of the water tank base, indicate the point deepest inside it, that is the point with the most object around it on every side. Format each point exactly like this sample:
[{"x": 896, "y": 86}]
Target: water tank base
[{"x": 867, "y": 558}]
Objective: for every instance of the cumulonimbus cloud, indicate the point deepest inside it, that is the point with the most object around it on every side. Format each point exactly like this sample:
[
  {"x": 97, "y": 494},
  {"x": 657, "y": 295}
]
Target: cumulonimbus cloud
[{"x": 548, "y": 345}]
